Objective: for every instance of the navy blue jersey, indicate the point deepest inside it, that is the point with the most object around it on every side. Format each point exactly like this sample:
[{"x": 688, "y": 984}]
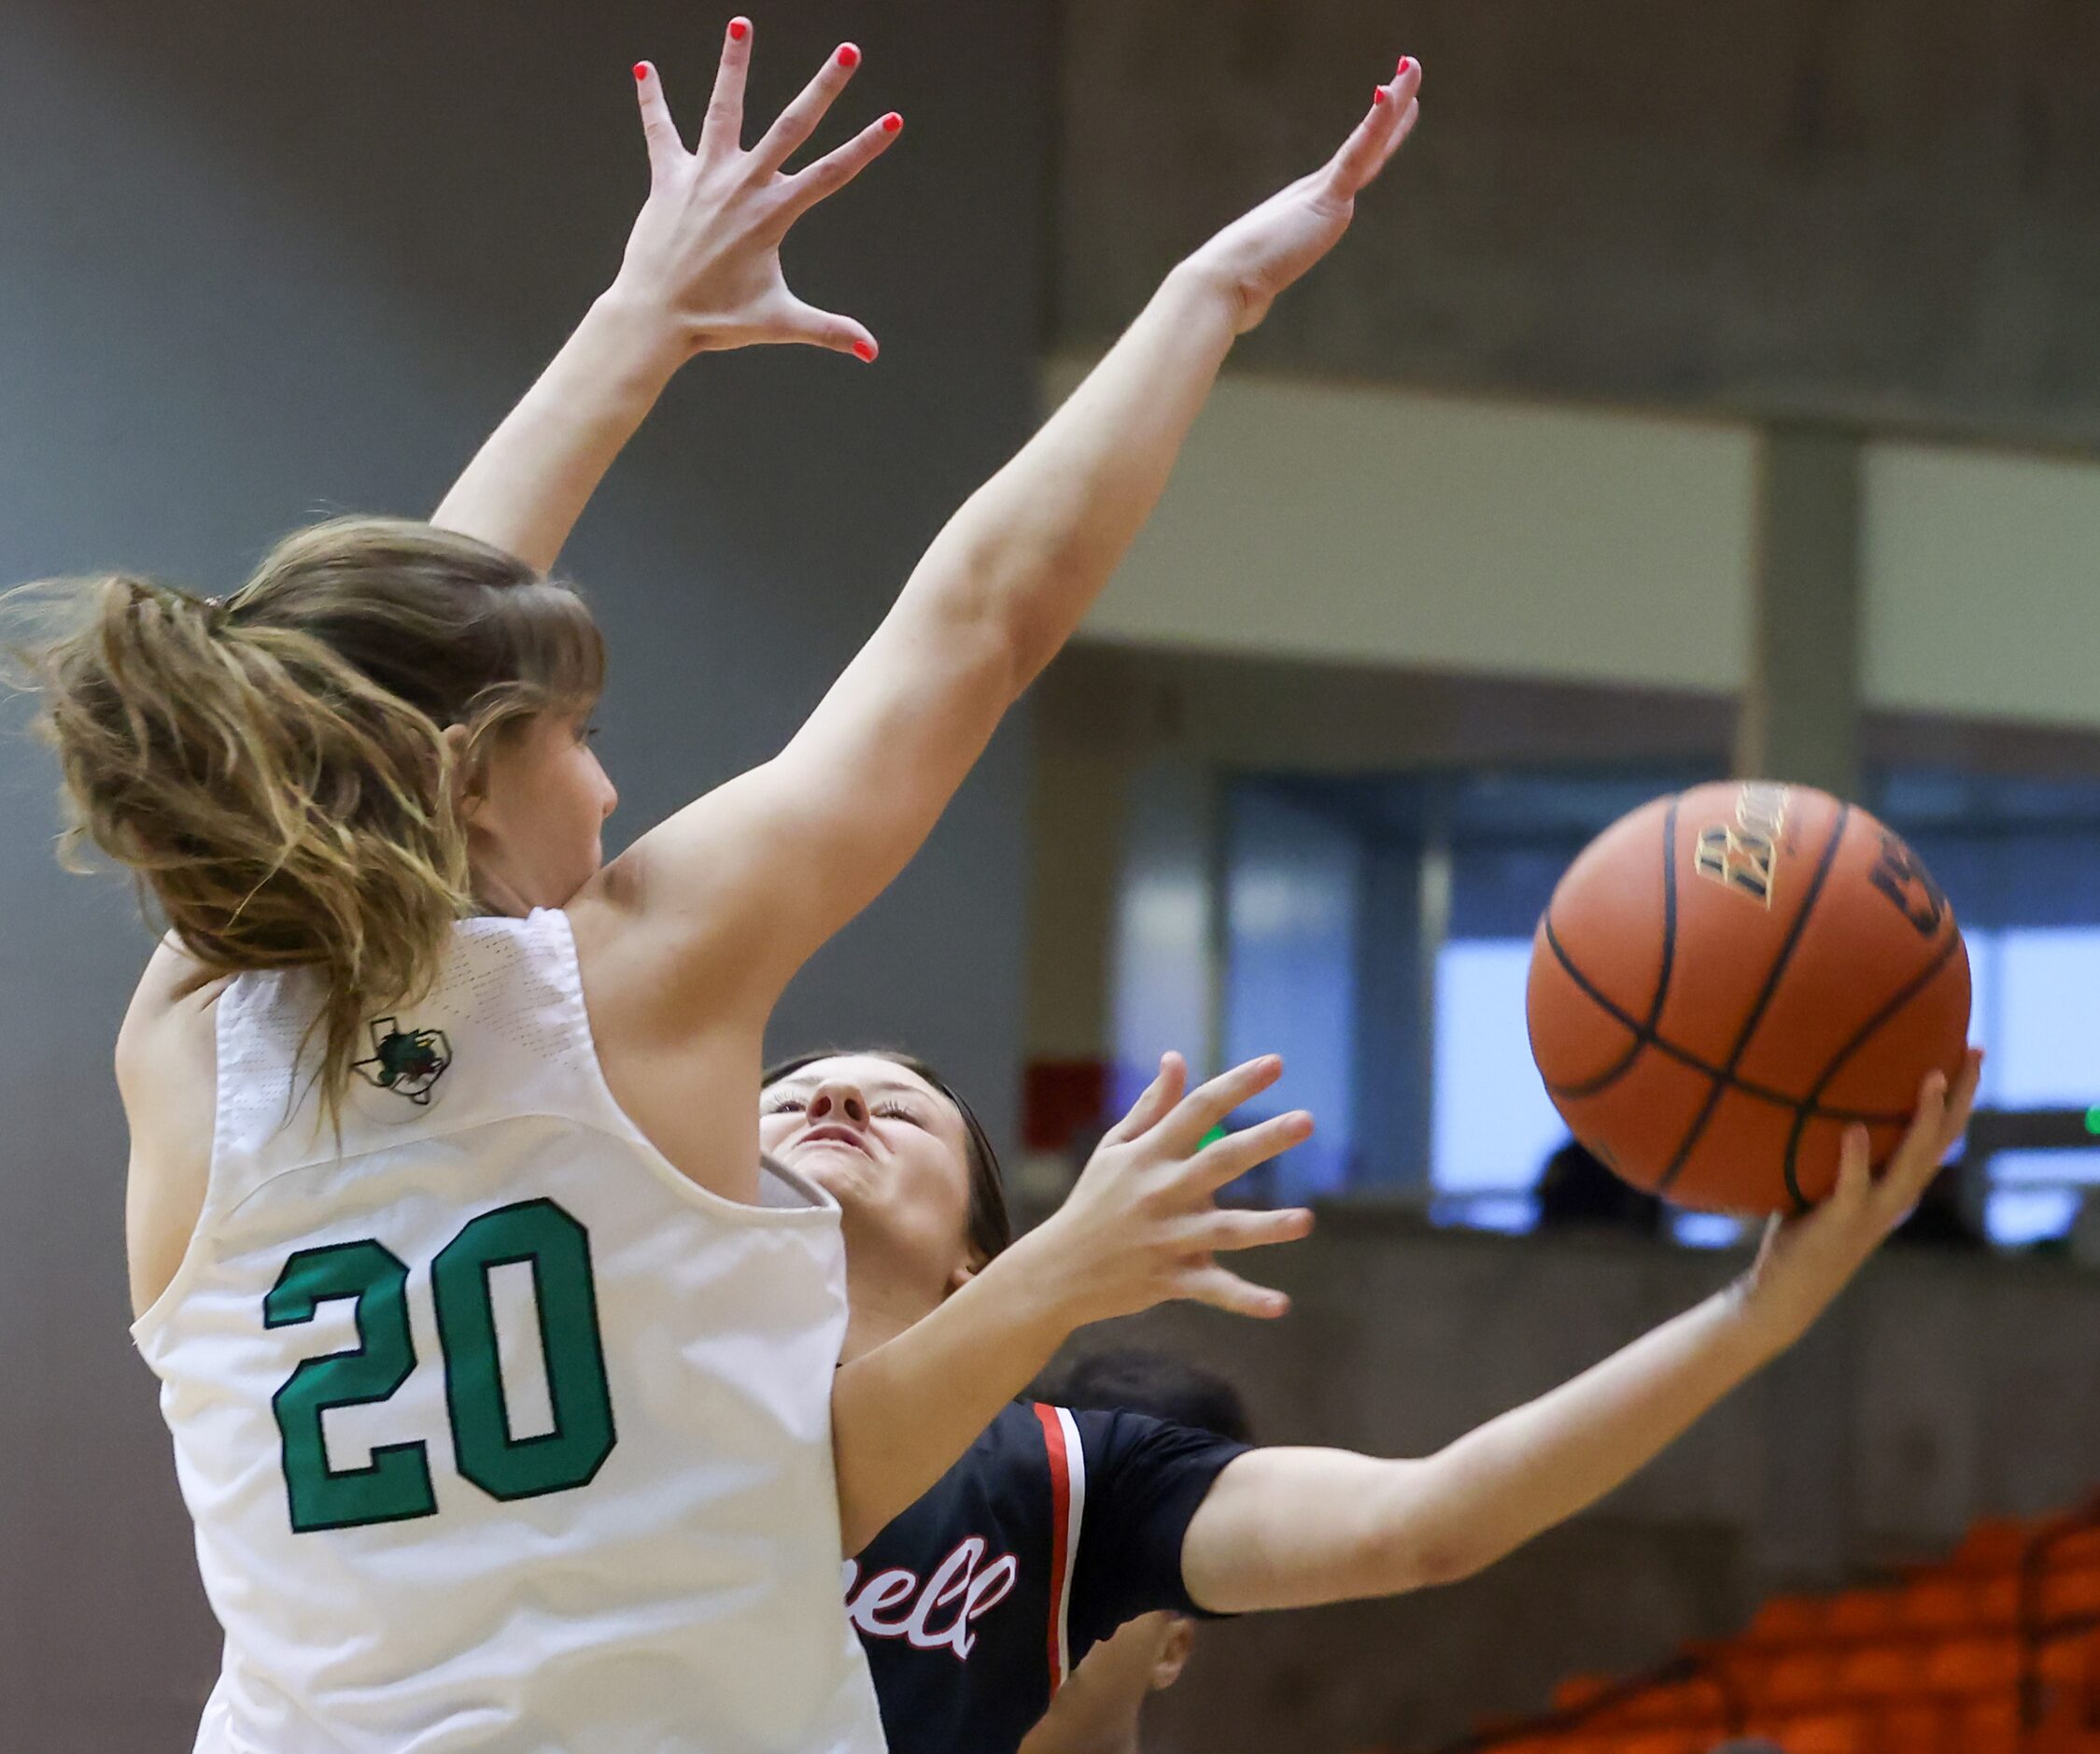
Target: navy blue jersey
[{"x": 1053, "y": 1529}]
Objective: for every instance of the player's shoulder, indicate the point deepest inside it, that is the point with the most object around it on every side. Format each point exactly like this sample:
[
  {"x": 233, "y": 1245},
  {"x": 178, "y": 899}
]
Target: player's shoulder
[
  {"x": 171, "y": 1013},
  {"x": 999, "y": 1485}
]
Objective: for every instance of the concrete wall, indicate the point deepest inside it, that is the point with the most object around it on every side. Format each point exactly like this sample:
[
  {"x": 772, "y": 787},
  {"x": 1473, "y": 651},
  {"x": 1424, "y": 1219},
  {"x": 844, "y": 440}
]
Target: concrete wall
[
  {"x": 1982, "y": 583},
  {"x": 1370, "y": 526},
  {"x": 1316, "y": 521},
  {"x": 1937, "y": 1391},
  {"x": 260, "y": 261},
  {"x": 1877, "y": 212}
]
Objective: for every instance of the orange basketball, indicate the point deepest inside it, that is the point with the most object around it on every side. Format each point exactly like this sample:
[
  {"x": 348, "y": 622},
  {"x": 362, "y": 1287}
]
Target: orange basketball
[{"x": 1726, "y": 980}]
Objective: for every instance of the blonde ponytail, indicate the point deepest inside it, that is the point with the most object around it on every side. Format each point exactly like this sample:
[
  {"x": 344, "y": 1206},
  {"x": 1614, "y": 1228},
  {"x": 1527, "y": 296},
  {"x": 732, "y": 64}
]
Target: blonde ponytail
[{"x": 274, "y": 769}]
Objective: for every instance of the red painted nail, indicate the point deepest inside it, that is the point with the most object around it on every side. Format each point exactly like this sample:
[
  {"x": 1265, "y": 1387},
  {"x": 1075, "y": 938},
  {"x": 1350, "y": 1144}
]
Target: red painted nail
[
  {"x": 640, "y": 71},
  {"x": 863, "y": 353},
  {"x": 891, "y": 122},
  {"x": 1377, "y": 95},
  {"x": 848, "y": 55},
  {"x": 1405, "y": 61},
  {"x": 739, "y": 29}
]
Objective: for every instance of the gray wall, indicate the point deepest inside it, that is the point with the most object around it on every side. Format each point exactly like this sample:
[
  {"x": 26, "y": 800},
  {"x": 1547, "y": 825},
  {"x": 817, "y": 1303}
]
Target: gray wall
[
  {"x": 1879, "y": 211},
  {"x": 257, "y": 262}
]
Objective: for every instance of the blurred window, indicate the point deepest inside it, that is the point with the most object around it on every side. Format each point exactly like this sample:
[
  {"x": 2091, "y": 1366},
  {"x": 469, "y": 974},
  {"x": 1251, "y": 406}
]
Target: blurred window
[{"x": 1324, "y": 961}]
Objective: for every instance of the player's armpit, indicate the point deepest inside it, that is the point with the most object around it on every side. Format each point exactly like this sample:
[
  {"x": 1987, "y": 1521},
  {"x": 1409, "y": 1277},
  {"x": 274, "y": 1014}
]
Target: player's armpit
[{"x": 1299, "y": 1527}]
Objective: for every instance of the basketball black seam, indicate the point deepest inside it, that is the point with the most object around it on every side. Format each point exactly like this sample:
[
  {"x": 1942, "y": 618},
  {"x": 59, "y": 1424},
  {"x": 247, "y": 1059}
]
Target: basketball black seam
[
  {"x": 1685, "y": 1057},
  {"x": 1917, "y": 983},
  {"x": 1772, "y": 978},
  {"x": 1645, "y": 1033}
]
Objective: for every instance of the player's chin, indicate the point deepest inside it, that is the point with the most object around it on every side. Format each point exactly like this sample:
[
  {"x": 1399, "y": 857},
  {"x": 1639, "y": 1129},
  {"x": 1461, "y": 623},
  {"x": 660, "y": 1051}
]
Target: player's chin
[{"x": 846, "y": 1175}]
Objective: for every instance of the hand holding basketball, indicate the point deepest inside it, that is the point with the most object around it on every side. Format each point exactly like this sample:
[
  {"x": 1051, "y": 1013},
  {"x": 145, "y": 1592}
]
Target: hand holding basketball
[
  {"x": 1806, "y": 1260},
  {"x": 1260, "y": 254},
  {"x": 1728, "y": 979},
  {"x": 705, "y": 252}
]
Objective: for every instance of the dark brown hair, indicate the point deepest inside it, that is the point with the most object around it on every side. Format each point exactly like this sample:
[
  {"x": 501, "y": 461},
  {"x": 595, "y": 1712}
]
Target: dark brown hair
[
  {"x": 991, "y": 1226},
  {"x": 274, "y": 768}
]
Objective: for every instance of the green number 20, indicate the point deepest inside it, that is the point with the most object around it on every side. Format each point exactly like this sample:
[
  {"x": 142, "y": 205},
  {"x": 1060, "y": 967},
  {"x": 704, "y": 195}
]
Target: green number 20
[{"x": 396, "y": 1484}]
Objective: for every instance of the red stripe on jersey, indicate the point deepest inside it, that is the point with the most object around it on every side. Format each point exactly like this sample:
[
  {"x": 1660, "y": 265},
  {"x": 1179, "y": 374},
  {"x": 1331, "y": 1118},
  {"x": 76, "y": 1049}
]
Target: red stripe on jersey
[{"x": 1061, "y": 1523}]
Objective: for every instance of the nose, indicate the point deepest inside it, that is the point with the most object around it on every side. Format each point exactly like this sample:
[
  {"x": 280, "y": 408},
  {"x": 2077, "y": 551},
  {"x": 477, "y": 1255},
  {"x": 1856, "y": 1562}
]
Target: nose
[
  {"x": 610, "y": 802},
  {"x": 836, "y": 1101}
]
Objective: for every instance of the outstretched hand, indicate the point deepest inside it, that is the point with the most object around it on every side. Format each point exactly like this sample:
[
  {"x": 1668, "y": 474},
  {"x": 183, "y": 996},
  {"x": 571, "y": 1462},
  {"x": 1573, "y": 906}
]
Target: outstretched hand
[
  {"x": 706, "y": 248},
  {"x": 1263, "y": 252},
  {"x": 1806, "y": 1260},
  {"x": 1142, "y": 1226}
]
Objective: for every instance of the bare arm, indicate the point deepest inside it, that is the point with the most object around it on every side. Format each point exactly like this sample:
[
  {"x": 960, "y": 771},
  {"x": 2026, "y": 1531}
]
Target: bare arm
[
  {"x": 1141, "y": 1226},
  {"x": 527, "y": 486},
  {"x": 748, "y": 881},
  {"x": 701, "y": 274},
  {"x": 1290, "y": 1528}
]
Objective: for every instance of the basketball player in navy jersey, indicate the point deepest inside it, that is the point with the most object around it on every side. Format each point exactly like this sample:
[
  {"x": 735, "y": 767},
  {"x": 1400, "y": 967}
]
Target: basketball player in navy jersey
[
  {"x": 1059, "y": 1526},
  {"x": 1100, "y": 1709}
]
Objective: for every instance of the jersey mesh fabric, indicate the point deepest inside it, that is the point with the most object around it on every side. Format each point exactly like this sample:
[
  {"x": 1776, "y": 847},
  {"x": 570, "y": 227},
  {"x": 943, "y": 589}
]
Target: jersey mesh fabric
[{"x": 679, "y": 1591}]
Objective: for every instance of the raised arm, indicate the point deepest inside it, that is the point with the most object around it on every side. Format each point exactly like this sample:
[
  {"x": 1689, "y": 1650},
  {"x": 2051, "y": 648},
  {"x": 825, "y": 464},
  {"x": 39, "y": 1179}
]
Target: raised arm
[
  {"x": 701, "y": 274},
  {"x": 752, "y": 879},
  {"x": 1140, "y": 1227},
  {"x": 1292, "y": 1528}
]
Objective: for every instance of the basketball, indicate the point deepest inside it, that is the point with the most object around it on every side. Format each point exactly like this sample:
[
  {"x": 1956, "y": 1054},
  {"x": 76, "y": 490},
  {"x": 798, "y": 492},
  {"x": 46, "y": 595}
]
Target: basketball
[{"x": 1726, "y": 979}]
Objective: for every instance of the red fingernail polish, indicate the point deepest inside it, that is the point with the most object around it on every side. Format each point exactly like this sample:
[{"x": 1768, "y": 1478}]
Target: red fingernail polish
[
  {"x": 1405, "y": 61},
  {"x": 640, "y": 70},
  {"x": 1377, "y": 95},
  {"x": 848, "y": 55},
  {"x": 891, "y": 122},
  {"x": 863, "y": 353},
  {"x": 739, "y": 29}
]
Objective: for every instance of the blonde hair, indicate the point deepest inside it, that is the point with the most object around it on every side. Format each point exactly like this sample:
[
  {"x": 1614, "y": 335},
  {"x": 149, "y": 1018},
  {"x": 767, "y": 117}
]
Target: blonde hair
[{"x": 274, "y": 769}]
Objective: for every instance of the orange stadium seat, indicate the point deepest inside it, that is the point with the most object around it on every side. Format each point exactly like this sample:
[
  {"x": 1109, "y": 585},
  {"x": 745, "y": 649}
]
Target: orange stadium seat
[
  {"x": 1786, "y": 1620},
  {"x": 1830, "y": 1732},
  {"x": 1989, "y": 1726},
  {"x": 2070, "y": 1594},
  {"x": 1862, "y": 1613},
  {"x": 1799, "y": 1680},
  {"x": 1916, "y": 1726},
  {"x": 1970, "y": 1668},
  {"x": 1937, "y": 1663},
  {"x": 1580, "y": 1690},
  {"x": 1957, "y": 1602},
  {"x": 1695, "y": 1704},
  {"x": 1994, "y": 1543},
  {"x": 1880, "y": 1670}
]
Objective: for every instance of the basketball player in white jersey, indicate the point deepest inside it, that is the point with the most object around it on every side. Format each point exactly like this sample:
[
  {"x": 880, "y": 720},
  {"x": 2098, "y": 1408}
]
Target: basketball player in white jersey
[{"x": 500, "y": 1371}]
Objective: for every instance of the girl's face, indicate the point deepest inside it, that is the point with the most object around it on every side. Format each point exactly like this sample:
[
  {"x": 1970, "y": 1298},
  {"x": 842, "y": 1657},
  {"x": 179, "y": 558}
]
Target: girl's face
[
  {"x": 894, "y": 1154},
  {"x": 534, "y": 814}
]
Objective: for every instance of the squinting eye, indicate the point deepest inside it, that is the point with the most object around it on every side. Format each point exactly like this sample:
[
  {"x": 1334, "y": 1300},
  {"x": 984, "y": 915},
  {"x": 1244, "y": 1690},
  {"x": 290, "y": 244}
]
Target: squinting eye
[
  {"x": 785, "y": 1105},
  {"x": 893, "y": 1111}
]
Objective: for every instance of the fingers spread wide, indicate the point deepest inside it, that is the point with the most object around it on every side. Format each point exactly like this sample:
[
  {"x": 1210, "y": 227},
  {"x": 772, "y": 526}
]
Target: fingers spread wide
[
  {"x": 1225, "y": 1290},
  {"x": 658, "y": 132},
  {"x": 723, "y": 129},
  {"x": 799, "y": 120},
  {"x": 1206, "y": 1108},
  {"x": 838, "y": 167},
  {"x": 1159, "y": 1096}
]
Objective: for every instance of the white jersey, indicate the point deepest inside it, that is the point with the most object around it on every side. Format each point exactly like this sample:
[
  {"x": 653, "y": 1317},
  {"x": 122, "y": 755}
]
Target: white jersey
[{"x": 499, "y": 1434}]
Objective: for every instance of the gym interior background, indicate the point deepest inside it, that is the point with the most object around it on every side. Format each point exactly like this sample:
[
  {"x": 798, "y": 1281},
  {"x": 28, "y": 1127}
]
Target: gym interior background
[{"x": 1706, "y": 391}]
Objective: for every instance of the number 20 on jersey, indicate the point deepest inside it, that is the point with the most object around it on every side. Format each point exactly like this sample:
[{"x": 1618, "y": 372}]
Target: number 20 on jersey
[{"x": 395, "y": 1485}]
